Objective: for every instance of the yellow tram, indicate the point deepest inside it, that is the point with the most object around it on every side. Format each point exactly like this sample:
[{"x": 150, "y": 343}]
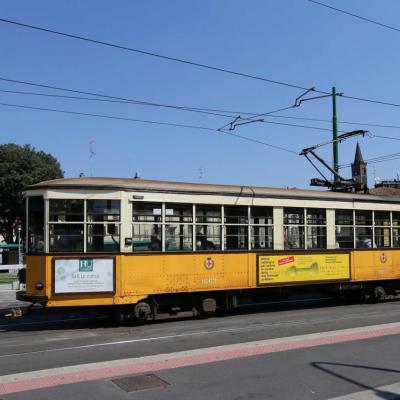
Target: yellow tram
[{"x": 146, "y": 247}]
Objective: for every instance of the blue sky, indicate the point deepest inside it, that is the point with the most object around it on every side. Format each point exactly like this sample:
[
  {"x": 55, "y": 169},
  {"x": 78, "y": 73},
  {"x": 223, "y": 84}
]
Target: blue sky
[{"x": 289, "y": 40}]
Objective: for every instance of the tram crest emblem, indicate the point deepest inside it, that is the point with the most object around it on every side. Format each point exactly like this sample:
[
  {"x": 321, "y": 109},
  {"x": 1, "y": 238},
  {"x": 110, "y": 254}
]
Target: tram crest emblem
[
  {"x": 209, "y": 263},
  {"x": 383, "y": 258}
]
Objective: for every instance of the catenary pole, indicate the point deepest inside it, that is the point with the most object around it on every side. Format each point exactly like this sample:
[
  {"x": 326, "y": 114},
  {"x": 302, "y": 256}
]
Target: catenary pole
[{"x": 335, "y": 134}]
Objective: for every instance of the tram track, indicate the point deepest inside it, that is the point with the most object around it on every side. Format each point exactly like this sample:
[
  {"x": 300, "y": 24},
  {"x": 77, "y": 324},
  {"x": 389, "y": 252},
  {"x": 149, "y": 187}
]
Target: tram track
[
  {"x": 244, "y": 310},
  {"x": 98, "y": 341},
  {"x": 179, "y": 326}
]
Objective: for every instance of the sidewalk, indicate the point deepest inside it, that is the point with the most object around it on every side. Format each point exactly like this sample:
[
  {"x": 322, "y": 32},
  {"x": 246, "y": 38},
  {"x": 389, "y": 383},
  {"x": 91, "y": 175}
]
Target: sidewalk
[{"x": 7, "y": 299}]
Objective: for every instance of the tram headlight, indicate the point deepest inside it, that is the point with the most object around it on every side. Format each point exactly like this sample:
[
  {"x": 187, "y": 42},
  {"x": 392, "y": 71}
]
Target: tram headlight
[{"x": 39, "y": 286}]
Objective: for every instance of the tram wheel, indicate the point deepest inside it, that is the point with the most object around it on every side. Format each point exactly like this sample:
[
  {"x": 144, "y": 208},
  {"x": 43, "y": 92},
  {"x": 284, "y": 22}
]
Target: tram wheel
[{"x": 379, "y": 294}]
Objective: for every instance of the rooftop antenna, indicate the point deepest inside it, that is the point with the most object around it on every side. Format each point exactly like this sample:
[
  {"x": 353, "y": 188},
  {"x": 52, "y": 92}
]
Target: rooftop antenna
[{"x": 91, "y": 155}]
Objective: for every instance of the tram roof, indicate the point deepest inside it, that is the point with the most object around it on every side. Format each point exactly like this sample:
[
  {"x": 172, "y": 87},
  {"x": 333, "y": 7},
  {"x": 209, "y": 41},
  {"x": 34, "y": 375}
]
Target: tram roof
[{"x": 144, "y": 185}]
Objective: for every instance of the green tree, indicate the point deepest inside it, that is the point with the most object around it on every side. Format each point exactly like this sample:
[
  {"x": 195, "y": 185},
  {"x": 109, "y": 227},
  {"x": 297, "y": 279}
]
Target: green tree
[{"x": 21, "y": 166}]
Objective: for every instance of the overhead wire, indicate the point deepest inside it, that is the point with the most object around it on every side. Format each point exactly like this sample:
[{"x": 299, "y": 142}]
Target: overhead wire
[
  {"x": 113, "y": 117},
  {"x": 101, "y": 97},
  {"x": 340, "y": 122},
  {"x": 152, "y": 54},
  {"x": 138, "y": 102},
  {"x": 386, "y": 137},
  {"x": 375, "y": 160},
  {"x": 256, "y": 118},
  {"x": 114, "y": 99},
  {"x": 355, "y": 15},
  {"x": 133, "y": 101},
  {"x": 189, "y": 62},
  {"x": 192, "y": 109},
  {"x": 124, "y": 100},
  {"x": 385, "y": 157}
]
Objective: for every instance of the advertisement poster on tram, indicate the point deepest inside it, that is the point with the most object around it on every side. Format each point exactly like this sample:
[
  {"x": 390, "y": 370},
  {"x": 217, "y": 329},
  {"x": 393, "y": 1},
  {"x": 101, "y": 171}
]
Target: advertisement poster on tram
[
  {"x": 84, "y": 275},
  {"x": 302, "y": 268}
]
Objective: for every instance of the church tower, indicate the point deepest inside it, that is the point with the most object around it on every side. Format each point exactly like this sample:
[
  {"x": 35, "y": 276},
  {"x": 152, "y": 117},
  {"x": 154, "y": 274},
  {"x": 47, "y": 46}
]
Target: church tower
[{"x": 359, "y": 171}]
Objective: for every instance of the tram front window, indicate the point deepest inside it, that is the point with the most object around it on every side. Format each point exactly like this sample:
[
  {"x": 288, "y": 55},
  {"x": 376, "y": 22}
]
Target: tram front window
[
  {"x": 66, "y": 238},
  {"x": 36, "y": 224},
  {"x": 66, "y": 225}
]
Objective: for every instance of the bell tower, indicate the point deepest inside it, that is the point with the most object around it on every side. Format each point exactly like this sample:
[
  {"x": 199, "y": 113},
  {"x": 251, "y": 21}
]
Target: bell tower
[{"x": 359, "y": 171}]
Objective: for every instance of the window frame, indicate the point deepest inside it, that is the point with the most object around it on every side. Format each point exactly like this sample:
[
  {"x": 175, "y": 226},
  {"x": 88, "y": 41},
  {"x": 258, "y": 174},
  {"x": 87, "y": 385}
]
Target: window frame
[{"x": 85, "y": 224}]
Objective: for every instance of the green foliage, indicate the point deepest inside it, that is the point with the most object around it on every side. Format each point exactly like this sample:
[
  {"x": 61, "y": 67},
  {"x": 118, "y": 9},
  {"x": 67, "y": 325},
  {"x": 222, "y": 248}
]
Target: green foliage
[
  {"x": 21, "y": 166},
  {"x": 8, "y": 278}
]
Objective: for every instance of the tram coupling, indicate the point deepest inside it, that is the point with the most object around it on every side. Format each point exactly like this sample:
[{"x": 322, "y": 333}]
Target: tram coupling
[{"x": 18, "y": 312}]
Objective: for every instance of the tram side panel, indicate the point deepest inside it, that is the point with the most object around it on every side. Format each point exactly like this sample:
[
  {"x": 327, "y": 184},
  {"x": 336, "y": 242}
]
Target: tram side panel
[
  {"x": 375, "y": 265},
  {"x": 181, "y": 273},
  {"x": 136, "y": 276},
  {"x": 38, "y": 272}
]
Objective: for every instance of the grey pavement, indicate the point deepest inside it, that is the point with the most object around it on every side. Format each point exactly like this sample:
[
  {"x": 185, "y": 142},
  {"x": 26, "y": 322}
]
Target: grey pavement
[
  {"x": 7, "y": 298},
  {"x": 317, "y": 373},
  {"x": 55, "y": 339}
]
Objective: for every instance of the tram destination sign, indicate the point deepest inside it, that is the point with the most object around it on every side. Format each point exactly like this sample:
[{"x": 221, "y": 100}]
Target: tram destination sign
[
  {"x": 83, "y": 275},
  {"x": 293, "y": 268}
]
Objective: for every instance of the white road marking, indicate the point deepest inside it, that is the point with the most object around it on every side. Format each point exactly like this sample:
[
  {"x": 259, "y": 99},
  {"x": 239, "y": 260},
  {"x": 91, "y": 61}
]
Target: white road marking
[
  {"x": 26, "y": 376},
  {"x": 388, "y": 392},
  {"x": 166, "y": 337}
]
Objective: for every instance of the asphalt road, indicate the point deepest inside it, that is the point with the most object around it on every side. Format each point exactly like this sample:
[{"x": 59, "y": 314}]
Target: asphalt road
[{"x": 312, "y": 370}]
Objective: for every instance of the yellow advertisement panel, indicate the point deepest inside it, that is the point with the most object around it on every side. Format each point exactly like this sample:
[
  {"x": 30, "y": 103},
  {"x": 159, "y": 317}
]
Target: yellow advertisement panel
[{"x": 302, "y": 267}]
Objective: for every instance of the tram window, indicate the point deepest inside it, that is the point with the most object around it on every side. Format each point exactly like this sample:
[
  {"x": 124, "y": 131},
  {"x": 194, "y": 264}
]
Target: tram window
[
  {"x": 382, "y": 218},
  {"x": 364, "y": 237},
  {"x": 178, "y": 213},
  {"x": 103, "y": 210},
  {"x": 396, "y": 218},
  {"x": 363, "y": 217},
  {"x": 36, "y": 224},
  {"x": 344, "y": 237},
  {"x": 293, "y": 216},
  {"x": 316, "y": 216},
  {"x": 102, "y": 237},
  {"x": 66, "y": 238},
  {"x": 382, "y": 237},
  {"x": 236, "y": 237},
  {"x": 236, "y": 215},
  {"x": 147, "y": 237},
  {"x": 150, "y": 212},
  {"x": 66, "y": 210},
  {"x": 293, "y": 237},
  {"x": 396, "y": 237},
  {"x": 208, "y": 214},
  {"x": 178, "y": 237},
  {"x": 261, "y": 237},
  {"x": 316, "y": 237},
  {"x": 293, "y": 232},
  {"x": 261, "y": 215},
  {"x": 208, "y": 237},
  {"x": 344, "y": 217}
]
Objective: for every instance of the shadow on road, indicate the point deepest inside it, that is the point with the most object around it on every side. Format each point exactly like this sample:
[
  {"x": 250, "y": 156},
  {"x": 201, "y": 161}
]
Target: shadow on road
[
  {"x": 85, "y": 318},
  {"x": 81, "y": 318},
  {"x": 324, "y": 367}
]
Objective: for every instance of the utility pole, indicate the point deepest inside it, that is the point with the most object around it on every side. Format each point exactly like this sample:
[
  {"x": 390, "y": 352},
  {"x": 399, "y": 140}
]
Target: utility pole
[{"x": 335, "y": 142}]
